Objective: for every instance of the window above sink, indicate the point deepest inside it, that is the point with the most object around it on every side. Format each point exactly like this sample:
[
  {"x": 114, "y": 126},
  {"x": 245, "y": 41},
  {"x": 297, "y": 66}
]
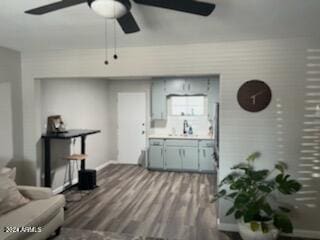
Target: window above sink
[{"x": 187, "y": 105}]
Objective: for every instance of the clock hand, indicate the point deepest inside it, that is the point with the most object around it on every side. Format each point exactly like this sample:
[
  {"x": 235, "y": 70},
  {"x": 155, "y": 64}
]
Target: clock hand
[
  {"x": 259, "y": 93},
  {"x": 253, "y": 99}
]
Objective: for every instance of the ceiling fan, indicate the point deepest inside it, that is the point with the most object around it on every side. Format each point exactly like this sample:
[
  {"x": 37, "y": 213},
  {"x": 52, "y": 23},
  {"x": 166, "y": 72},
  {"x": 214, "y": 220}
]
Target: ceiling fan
[{"x": 120, "y": 9}]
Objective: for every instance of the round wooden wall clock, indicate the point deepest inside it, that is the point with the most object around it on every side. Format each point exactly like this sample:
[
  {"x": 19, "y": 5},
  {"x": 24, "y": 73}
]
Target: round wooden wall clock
[{"x": 254, "y": 95}]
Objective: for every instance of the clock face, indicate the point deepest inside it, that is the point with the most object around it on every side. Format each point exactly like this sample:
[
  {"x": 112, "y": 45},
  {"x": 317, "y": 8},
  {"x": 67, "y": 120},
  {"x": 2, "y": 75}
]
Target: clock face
[{"x": 254, "y": 95}]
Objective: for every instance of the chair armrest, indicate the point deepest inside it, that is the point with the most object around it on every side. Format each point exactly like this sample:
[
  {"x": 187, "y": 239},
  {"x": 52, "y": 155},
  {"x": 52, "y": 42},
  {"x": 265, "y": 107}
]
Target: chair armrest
[{"x": 35, "y": 193}]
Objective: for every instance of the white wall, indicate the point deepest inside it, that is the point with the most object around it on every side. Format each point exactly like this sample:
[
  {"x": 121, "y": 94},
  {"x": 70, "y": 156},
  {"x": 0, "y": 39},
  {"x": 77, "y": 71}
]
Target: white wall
[
  {"x": 6, "y": 141},
  {"x": 10, "y": 110},
  {"x": 83, "y": 104},
  {"x": 278, "y": 134}
]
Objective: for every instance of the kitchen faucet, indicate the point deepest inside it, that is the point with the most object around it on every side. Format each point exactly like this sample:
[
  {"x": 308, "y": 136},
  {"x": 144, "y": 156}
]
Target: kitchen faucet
[{"x": 185, "y": 127}]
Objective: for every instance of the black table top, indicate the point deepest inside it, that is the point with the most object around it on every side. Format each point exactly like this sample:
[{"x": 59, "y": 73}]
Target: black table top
[{"x": 73, "y": 133}]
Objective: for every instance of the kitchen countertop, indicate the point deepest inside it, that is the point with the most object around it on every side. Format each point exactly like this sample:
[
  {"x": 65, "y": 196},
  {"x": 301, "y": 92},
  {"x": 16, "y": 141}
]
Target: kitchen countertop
[{"x": 191, "y": 137}]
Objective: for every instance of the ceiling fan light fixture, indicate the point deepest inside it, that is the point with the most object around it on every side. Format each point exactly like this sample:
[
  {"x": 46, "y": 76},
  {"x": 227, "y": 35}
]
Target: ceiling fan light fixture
[{"x": 111, "y": 9}]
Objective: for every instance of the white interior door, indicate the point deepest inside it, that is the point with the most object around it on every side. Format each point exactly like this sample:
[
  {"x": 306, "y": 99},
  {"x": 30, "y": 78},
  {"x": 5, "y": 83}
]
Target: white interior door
[{"x": 131, "y": 127}]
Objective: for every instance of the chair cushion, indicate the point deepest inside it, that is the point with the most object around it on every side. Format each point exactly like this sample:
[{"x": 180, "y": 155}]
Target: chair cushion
[
  {"x": 34, "y": 214},
  {"x": 10, "y": 172},
  {"x": 10, "y": 197}
]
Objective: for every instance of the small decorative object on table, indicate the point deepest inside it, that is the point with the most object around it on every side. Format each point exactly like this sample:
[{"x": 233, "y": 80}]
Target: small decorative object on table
[
  {"x": 55, "y": 124},
  {"x": 254, "y": 204}
]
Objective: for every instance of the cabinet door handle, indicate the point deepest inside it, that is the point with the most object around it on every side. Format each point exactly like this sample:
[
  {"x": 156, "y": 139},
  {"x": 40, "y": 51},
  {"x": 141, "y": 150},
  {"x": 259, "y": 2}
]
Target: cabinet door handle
[
  {"x": 161, "y": 152},
  {"x": 189, "y": 86},
  {"x": 204, "y": 152}
]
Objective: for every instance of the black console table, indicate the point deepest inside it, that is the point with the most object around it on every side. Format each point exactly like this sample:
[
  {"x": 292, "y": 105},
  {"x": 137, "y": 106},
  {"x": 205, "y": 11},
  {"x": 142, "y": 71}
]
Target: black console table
[{"x": 67, "y": 135}]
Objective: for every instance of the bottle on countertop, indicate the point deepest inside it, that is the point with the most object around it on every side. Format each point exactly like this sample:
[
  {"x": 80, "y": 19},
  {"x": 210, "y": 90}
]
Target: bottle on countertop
[{"x": 190, "y": 132}]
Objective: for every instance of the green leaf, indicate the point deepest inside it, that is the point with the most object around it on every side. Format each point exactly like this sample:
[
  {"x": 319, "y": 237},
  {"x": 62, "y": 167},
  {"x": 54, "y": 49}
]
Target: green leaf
[
  {"x": 230, "y": 211},
  {"x": 254, "y": 226},
  {"x": 252, "y": 157},
  {"x": 232, "y": 195},
  {"x": 241, "y": 166},
  {"x": 287, "y": 186},
  {"x": 267, "y": 209},
  {"x": 238, "y": 214},
  {"x": 222, "y": 193},
  {"x": 249, "y": 215},
  {"x": 284, "y": 209},
  {"x": 279, "y": 178},
  {"x": 238, "y": 185},
  {"x": 281, "y": 166},
  {"x": 241, "y": 200},
  {"x": 228, "y": 179},
  {"x": 265, "y": 189},
  {"x": 283, "y": 223},
  {"x": 259, "y": 175}
]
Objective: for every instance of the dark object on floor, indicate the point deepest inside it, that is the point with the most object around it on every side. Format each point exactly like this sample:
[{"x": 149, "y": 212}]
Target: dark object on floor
[{"x": 87, "y": 179}]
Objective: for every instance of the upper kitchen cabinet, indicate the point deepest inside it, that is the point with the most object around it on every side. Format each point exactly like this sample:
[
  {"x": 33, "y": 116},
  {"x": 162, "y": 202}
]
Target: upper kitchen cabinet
[
  {"x": 186, "y": 86},
  {"x": 197, "y": 86},
  {"x": 175, "y": 86},
  {"x": 158, "y": 101}
]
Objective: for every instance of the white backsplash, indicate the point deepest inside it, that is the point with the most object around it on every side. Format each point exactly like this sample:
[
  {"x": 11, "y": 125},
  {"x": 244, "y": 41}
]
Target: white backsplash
[{"x": 199, "y": 124}]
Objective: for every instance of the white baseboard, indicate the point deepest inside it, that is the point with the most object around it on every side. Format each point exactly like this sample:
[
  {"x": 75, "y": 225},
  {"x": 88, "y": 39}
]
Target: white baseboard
[
  {"x": 61, "y": 188},
  {"x": 75, "y": 181},
  {"x": 99, "y": 168},
  {"x": 229, "y": 227}
]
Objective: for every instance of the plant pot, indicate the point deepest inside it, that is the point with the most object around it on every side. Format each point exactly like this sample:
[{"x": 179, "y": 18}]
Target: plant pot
[{"x": 247, "y": 234}]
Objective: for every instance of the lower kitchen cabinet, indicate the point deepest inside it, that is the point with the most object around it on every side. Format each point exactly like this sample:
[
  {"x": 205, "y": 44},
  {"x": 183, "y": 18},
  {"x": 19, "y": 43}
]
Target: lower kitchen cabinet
[
  {"x": 206, "y": 159},
  {"x": 173, "y": 158},
  {"x": 190, "y": 159},
  {"x": 181, "y": 155},
  {"x": 156, "y": 157}
]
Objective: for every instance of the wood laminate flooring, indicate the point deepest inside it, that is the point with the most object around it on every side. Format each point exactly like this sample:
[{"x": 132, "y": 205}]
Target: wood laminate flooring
[{"x": 133, "y": 200}]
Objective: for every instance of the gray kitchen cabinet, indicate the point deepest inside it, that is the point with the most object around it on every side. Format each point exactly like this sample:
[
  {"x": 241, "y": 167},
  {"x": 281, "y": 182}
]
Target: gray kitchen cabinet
[
  {"x": 211, "y": 110},
  {"x": 181, "y": 155},
  {"x": 186, "y": 86},
  {"x": 175, "y": 86},
  {"x": 158, "y": 101},
  {"x": 206, "y": 161},
  {"x": 156, "y": 157},
  {"x": 190, "y": 158},
  {"x": 173, "y": 158},
  {"x": 213, "y": 98},
  {"x": 197, "y": 86}
]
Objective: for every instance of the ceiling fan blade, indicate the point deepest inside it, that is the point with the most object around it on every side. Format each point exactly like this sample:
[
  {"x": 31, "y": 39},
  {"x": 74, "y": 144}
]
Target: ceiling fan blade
[
  {"x": 54, "y": 7},
  {"x": 128, "y": 23},
  {"x": 189, "y": 6}
]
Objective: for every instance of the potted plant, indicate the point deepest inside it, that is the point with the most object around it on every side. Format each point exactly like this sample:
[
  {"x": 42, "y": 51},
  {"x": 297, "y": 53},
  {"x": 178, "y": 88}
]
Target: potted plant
[{"x": 253, "y": 196}]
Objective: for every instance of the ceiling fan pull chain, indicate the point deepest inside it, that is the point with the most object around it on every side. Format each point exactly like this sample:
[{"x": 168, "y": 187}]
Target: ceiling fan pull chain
[
  {"x": 106, "y": 62},
  {"x": 115, "y": 56}
]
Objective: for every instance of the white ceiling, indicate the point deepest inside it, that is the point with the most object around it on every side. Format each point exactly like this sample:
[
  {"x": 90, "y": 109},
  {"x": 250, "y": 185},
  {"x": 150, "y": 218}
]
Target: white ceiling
[{"x": 79, "y": 27}]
